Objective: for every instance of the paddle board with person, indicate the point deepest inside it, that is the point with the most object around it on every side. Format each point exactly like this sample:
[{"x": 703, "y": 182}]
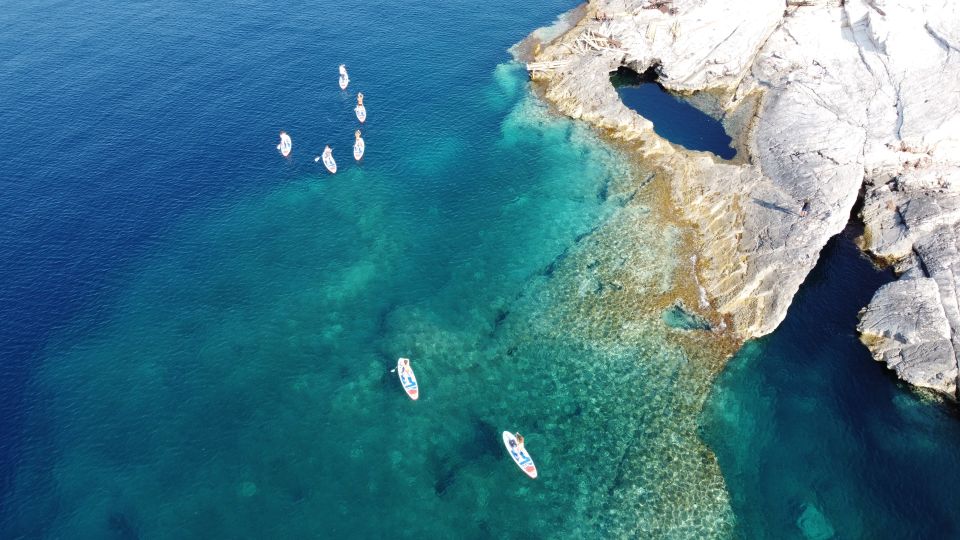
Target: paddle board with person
[
  {"x": 286, "y": 144},
  {"x": 407, "y": 379},
  {"x": 358, "y": 146},
  {"x": 328, "y": 160},
  {"x": 518, "y": 452},
  {"x": 361, "y": 110}
]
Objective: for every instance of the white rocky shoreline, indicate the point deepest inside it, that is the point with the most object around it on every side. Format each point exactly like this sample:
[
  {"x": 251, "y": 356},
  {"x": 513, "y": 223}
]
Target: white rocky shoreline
[{"x": 829, "y": 102}]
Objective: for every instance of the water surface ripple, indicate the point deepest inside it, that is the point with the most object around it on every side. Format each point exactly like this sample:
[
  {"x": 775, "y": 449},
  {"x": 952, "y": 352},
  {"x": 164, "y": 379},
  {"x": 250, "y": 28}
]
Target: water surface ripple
[{"x": 198, "y": 333}]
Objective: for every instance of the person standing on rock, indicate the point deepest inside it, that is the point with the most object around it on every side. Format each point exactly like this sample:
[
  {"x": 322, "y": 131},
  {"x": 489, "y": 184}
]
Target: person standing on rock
[{"x": 805, "y": 209}]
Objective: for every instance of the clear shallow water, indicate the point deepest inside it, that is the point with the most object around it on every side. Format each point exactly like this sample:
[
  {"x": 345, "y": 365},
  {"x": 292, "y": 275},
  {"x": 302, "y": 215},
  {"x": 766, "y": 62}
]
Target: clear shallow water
[
  {"x": 817, "y": 440},
  {"x": 239, "y": 385},
  {"x": 673, "y": 118},
  {"x": 204, "y": 329},
  {"x": 198, "y": 333}
]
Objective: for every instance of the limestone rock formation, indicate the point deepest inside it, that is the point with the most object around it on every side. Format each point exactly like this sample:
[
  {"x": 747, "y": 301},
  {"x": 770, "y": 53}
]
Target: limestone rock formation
[
  {"x": 906, "y": 327},
  {"x": 827, "y": 100}
]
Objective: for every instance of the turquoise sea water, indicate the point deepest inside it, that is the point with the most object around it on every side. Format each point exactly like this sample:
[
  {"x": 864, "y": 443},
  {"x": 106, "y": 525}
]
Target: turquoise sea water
[
  {"x": 198, "y": 333},
  {"x": 219, "y": 364}
]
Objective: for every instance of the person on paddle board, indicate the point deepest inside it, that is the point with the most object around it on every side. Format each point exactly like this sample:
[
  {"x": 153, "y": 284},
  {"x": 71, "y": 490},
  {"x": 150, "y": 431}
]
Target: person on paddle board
[
  {"x": 404, "y": 370},
  {"x": 518, "y": 443},
  {"x": 360, "y": 99}
]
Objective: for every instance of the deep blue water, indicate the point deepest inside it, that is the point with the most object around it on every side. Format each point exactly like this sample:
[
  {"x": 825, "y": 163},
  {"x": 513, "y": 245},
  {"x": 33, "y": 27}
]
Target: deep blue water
[
  {"x": 202, "y": 331},
  {"x": 817, "y": 440},
  {"x": 116, "y": 122},
  {"x": 198, "y": 333},
  {"x": 673, "y": 118}
]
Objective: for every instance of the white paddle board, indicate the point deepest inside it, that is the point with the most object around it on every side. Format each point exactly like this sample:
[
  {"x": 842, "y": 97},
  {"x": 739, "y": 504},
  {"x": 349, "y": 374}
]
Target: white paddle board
[
  {"x": 286, "y": 145},
  {"x": 361, "y": 113},
  {"x": 407, "y": 378},
  {"x": 519, "y": 455},
  {"x": 329, "y": 162},
  {"x": 358, "y": 147}
]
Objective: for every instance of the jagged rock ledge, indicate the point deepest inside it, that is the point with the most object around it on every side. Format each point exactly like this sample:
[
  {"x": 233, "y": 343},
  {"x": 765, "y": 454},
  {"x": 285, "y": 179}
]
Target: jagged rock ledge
[{"x": 828, "y": 100}]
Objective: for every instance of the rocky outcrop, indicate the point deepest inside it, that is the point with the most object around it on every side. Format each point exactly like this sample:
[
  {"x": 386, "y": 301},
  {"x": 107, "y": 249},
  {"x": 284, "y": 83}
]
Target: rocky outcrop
[
  {"x": 907, "y": 327},
  {"x": 827, "y": 100}
]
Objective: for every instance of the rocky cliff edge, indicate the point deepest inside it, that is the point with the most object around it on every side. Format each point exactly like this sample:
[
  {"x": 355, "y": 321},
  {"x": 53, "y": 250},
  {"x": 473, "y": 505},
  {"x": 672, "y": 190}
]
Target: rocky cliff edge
[{"x": 829, "y": 102}]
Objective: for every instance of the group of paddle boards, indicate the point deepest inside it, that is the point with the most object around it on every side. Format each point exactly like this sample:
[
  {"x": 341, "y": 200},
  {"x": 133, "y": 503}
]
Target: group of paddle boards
[
  {"x": 513, "y": 443},
  {"x": 286, "y": 143}
]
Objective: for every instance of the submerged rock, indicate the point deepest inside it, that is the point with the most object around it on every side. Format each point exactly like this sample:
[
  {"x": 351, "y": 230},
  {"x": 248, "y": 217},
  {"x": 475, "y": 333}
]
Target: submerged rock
[
  {"x": 680, "y": 317},
  {"x": 813, "y": 524},
  {"x": 248, "y": 489},
  {"x": 824, "y": 99}
]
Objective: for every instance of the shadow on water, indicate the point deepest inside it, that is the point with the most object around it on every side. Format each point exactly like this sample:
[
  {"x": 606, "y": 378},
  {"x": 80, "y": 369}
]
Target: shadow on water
[
  {"x": 816, "y": 439},
  {"x": 673, "y": 118},
  {"x": 483, "y": 443},
  {"x": 121, "y": 527}
]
